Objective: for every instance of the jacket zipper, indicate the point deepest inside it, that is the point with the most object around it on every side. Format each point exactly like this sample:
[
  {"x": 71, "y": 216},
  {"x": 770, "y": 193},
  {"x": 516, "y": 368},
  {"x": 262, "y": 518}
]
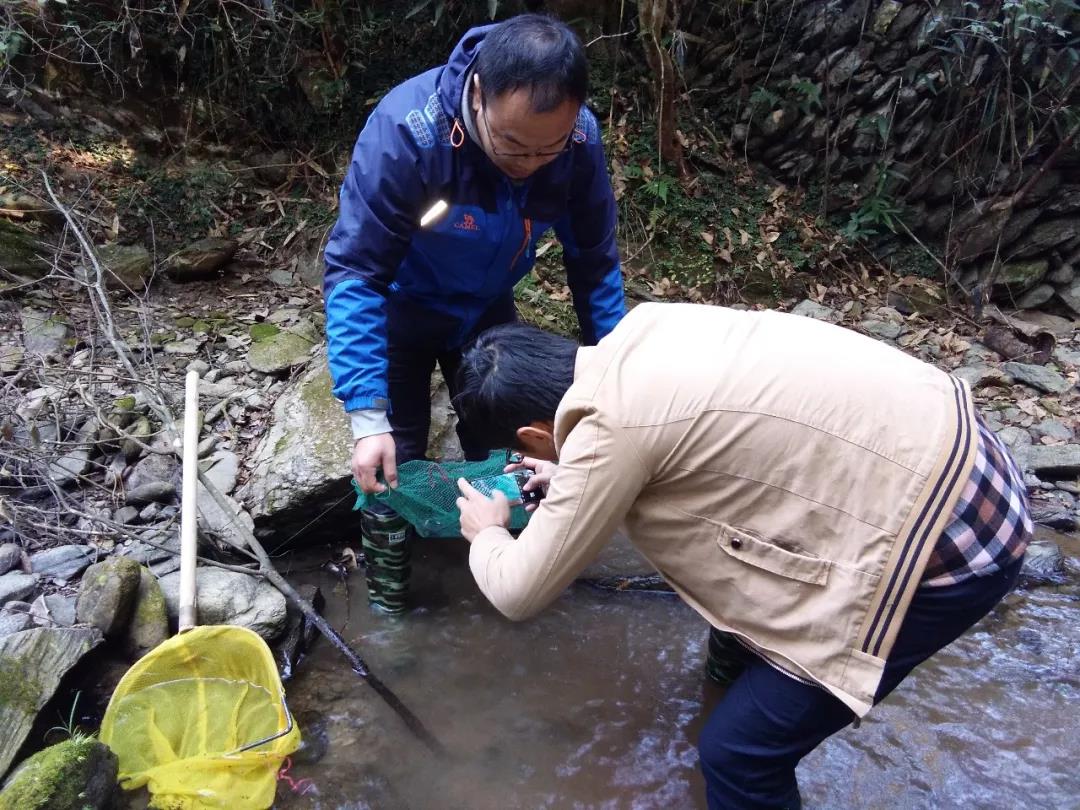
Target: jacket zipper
[{"x": 524, "y": 243}]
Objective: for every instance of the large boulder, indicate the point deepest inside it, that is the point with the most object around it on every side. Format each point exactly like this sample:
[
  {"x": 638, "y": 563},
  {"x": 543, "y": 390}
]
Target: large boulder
[
  {"x": 149, "y": 625},
  {"x": 77, "y": 774},
  {"x": 301, "y": 466},
  {"x": 107, "y": 594},
  {"x": 229, "y": 597},
  {"x": 32, "y": 664}
]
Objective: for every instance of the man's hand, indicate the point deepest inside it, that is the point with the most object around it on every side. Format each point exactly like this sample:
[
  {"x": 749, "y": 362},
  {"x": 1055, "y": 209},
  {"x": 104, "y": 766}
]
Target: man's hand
[
  {"x": 371, "y": 453},
  {"x": 478, "y": 512},
  {"x": 540, "y": 479}
]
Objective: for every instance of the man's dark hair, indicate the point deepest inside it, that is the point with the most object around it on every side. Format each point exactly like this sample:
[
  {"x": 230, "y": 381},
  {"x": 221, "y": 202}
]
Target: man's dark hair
[
  {"x": 511, "y": 376},
  {"x": 536, "y": 52}
]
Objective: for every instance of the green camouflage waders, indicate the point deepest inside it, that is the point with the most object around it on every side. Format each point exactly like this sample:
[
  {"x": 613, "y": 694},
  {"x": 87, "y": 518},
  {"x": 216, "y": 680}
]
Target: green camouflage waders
[
  {"x": 386, "y": 538},
  {"x": 726, "y": 659}
]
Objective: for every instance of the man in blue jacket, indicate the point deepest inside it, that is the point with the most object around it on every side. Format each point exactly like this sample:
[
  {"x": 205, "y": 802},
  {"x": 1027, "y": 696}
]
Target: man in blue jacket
[{"x": 453, "y": 180}]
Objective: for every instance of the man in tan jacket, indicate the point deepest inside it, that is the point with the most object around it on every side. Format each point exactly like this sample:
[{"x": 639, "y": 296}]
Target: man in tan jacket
[{"x": 834, "y": 504}]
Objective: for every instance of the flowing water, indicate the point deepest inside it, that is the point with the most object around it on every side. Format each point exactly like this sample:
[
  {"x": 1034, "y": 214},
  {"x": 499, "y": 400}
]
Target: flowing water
[{"x": 597, "y": 703}]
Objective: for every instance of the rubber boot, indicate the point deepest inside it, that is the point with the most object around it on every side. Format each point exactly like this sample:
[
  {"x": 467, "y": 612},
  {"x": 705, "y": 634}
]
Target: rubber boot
[
  {"x": 726, "y": 659},
  {"x": 386, "y": 538}
]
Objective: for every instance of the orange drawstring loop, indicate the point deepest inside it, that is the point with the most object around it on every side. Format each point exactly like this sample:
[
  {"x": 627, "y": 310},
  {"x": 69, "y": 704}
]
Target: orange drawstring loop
[{"x": 457, "y": 134}]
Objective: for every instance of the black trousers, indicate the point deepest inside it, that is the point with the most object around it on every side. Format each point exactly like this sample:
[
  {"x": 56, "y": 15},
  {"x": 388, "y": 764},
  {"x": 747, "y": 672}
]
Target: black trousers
[
  {"x": 417, "y": 339},
  {"x": 766, "y": 722}
]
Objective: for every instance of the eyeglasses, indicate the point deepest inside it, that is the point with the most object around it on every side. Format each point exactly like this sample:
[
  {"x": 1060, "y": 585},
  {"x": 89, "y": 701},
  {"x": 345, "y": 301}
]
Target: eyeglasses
[
  {"x": 491, "y": 140},
  {"x": 513, "y": 456}
]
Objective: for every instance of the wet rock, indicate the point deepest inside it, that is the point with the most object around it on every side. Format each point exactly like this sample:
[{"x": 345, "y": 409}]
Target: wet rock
[
  {"x": 200, "y": 259},
  {"x": 300, "y": 632},
  {"x": 148, "y": 514},
  {"x": 812, "y": 309},
  {"x": 32, "y": 662},
  {"x": 62, "y": 563},
  {"x": 107, "y": 593},
  {"x": 15, "y": 585},
  {"x": 54, "y": 610},
  {"x": 1049, "y": 462},
  {"x": 1044, "y": 564},
  {"x": 128, "y": 267},
  {"x": 44, "y": 334},
  {"x": 21, "y": 252},
  {"x": 156, "y": 467},
  {"x": 274, "y": 351},
  {"x": 151, "y": 491},
  {"x": 149, "y": 625},
  {"x": 77, "y": 774},
  {"x": 10, "y": 557},
  {"x": 1038, "y": 377},
  {"x": 1055, "y": 517},
  {"x": 882, "y": 329},
  {"x": 229, "y": 597}
]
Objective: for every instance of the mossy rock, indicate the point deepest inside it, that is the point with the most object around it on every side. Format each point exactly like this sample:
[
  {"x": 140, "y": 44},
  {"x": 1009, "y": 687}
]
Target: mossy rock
[
  {"x": 277, "y": 351},
  {"x": 107, "y": 595},
  {"x": 127, "y": 267},
  {"x": 21, "y": 252},
  {"x": 78, "y": 774},
  {"x": 200, "y": 259},
  {"x": 149, "y": 624}
]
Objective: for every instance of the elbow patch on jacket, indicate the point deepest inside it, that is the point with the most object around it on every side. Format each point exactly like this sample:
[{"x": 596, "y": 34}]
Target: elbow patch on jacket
[{"x": 429, "y": 125}]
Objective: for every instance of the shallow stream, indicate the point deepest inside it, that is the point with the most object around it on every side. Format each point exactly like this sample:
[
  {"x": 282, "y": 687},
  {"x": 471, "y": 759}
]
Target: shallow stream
[{"x": 597, "y": 704}]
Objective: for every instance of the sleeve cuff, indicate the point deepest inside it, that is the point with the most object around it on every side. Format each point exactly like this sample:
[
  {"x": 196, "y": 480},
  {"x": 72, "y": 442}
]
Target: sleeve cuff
[{"x": 369, "y": 422}]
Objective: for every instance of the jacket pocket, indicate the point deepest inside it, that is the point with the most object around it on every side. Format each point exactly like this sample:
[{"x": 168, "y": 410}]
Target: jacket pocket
[{"x": 760, "y": 553}]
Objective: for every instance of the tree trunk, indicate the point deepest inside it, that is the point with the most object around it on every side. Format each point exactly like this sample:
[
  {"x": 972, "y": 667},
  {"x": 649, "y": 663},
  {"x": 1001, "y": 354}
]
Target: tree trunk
[{"x": 652, "y": 15}]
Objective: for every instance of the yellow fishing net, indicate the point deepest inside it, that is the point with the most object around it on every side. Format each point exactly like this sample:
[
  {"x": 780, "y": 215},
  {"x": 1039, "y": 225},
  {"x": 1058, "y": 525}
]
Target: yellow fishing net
[{"x": 201, "y": 720}]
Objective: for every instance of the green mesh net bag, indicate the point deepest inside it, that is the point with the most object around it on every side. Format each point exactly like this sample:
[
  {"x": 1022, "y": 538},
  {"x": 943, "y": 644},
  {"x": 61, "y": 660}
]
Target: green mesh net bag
[{"x": 427, "y": 493}]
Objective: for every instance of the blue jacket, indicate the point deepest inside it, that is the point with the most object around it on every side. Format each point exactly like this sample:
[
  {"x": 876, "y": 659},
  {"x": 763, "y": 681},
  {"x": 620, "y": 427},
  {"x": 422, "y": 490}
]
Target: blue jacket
[{"x": 383, "y": 271}]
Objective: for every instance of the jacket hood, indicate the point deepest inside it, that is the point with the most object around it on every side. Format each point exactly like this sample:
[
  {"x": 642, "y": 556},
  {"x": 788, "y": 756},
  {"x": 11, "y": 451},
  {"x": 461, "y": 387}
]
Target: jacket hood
[{"x": 452, "y": 78}]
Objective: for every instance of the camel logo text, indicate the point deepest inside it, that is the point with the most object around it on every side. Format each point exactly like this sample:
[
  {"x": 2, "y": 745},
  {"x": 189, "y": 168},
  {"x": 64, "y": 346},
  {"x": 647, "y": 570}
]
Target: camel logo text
[{"x": 467, "y": 223}]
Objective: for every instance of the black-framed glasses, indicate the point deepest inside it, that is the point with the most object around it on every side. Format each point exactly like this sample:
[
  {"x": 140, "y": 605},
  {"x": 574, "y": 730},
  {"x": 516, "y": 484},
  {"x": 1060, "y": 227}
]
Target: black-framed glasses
[{"x": 570, "y": 141}]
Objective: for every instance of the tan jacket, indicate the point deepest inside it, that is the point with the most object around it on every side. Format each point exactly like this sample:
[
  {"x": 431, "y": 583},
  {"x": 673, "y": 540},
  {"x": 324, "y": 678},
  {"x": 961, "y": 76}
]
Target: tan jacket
[{"x": 788, "y": 477}]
